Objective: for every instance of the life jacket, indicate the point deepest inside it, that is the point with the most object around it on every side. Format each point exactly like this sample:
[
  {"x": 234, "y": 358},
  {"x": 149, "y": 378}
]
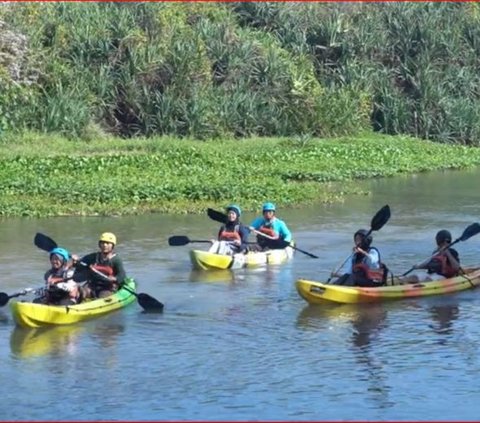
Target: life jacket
[
  {"x": 106, "y": 267},
  {"x": 268, "y": 231},
  {"x": 440, "y": 265},
  {"x": 59, "y": 275},
  {"x": 364, "y": 276},
  {"x": 229, "y": 235}
]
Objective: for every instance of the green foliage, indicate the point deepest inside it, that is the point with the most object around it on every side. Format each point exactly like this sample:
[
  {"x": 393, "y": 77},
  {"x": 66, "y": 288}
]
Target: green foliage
[
  {"x": 246, "y": 69},
  {"x": 45, "y": 176}
]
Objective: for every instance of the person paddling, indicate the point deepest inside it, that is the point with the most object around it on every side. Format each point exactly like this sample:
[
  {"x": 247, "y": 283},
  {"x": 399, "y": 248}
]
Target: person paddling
[
  {"x": 269, "y": 228},
  {"x": 105, "y": 261},
  {"x": 365, "y": 267},
  {"x": 60, "y": 286},
  {"x": 233, "y": 236},
  {"x": 444, "y": 263}
]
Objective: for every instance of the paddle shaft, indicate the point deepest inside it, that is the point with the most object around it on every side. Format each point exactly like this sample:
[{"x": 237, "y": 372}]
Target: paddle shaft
[
  {"x": 5, "y": 298},
  {"x": 145, "y": 300},
  {"x": 284, "y": 243}
]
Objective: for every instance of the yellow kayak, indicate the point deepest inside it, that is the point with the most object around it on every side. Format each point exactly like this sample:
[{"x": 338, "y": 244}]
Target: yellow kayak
[
  {"x": 206, "y": 260},
  {"x": 35, "y": 315},
  {"x": 318, "y": 293}
]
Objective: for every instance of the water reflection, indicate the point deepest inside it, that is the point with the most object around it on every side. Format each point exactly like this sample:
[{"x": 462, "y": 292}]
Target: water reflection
[
  {"x": 315, "y": 317},
  {"x": 443, "y": 317},
  {"x": 53, "y": 341},
  {"x": 367, "y": 323},
  {"x": 61, "y": 340},
  {"x": 226, "y": 276}
]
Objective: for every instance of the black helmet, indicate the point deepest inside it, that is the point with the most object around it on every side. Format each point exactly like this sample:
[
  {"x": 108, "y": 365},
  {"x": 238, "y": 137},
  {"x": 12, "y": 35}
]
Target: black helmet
[
  {"x": 443, "y": 236},
  {"x": 366, "y": 240}
]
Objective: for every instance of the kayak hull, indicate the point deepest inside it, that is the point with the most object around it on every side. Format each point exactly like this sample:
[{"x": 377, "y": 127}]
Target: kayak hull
[
  {"x": 318, "y": 293},
  {"x": 205, "y": 260},
  {"x": 33, "y": 315}
]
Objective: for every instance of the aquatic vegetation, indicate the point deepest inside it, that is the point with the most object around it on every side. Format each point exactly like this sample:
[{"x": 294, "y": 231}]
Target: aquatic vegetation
[{"x": 42, "y": 176}]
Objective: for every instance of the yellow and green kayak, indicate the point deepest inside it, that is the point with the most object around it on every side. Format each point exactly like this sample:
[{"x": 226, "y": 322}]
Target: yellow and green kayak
[
  {"x": 319, "y": 293},
  {"x": 206, "y": 260},
  {"x": 35, "y": 315}
]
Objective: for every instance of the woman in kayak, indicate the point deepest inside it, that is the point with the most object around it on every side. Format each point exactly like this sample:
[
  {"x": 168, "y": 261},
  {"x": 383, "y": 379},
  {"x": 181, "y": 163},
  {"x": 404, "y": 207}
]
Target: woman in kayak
[
  {"x": 269, "y": 228},
  {"x": 365, "y": 267},
  {"x": 106, "y": 273},
  {"x": 233, "y": 236},
  {"x": 60, "y": 286}
]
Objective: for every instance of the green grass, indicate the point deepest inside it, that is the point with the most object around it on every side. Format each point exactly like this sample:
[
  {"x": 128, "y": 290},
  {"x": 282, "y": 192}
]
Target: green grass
[{"x": 50, "y": 176}]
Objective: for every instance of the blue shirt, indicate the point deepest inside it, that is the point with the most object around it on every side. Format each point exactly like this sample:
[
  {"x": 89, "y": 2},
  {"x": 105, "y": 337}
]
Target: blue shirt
[{"x": 277, "y": 225}]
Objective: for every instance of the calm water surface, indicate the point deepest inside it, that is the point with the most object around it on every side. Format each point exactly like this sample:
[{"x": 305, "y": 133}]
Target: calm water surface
[{"x": 244, "y": 345}]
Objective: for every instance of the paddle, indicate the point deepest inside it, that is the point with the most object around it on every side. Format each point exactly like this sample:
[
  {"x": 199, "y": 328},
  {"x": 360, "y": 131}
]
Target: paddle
[
  {"x": 280, "y": 243},
  {"x": 469, "y": 231},
  {"x": 377, "y": 223},
  {"x": 177, "y": 240},
  {"x": 4, "y": 297},
  {"x": 147, "y": 302}
]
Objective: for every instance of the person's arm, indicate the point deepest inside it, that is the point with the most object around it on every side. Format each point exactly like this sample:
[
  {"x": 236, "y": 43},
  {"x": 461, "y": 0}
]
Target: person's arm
[
  {"x": 373, "y": 258},
  {"x": 120, "y": 274},
  {"x": 244, "y": 233},
  {"x": 256, "y": 224},
  {"x": 284, "y": 232},
  {"x": 453, "y": 258}
]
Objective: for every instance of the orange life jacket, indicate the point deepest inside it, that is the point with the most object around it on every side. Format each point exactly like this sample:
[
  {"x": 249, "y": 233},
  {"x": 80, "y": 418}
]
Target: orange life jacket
[
  {"x": 376, "y": 276},
  {"x": 226, "y": 235},
  {"x": 268, "y": 231},
  {"x": 441, "y": 265},
  {"x": 106, "y": 269},
  {"x": 104, "y": 266}
]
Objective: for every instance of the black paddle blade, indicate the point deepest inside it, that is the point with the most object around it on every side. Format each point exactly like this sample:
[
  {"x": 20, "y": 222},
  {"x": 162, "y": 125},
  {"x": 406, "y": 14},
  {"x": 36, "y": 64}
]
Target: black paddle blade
[
  {"x": 44, "y": 242},
  {"x": 217, "y": 216},
  {"x": 469, "y": 231},
  {"x": 380, "y": 218},
  {"x": 149, "y": 303},
  {"x": 177, "y": 240},
  {"x": 3, "y": 298}
]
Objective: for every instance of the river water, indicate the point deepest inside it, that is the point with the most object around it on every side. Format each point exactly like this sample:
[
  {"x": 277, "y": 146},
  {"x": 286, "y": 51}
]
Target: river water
[{"x": 243, "y": 345}]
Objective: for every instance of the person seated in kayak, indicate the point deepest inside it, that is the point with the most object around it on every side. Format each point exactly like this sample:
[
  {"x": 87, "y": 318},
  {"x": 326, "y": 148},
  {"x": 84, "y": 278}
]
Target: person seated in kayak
[
  {"x": 444, "y": 263},
  {"x": 365, "y": 267},
  {"x": 106, "y": 273},
  {"x": 60, "y": 286},
  {"x": 233, "y": 236},
  {"x": 269, "y": 229}
]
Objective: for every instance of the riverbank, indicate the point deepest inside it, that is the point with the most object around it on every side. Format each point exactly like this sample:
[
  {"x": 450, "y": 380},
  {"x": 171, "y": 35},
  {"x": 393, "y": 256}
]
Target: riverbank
[{"x": 52, "y": 176}]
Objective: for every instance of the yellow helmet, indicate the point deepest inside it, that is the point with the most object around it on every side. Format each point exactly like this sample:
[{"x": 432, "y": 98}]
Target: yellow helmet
[{"x": 108, "y": 237}]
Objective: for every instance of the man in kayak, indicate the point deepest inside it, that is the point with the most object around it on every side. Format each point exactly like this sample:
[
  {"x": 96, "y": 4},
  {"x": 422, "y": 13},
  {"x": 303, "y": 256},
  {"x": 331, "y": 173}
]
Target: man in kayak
[
  {"x": 233, "y": 236},
  {"x": 106, "y": 273},
  {"x": 60, "y": 286},
  {"x": 444, "y": 263},
  {"x": 269, "y": 230},
  {"x": 365, "y": 267}
]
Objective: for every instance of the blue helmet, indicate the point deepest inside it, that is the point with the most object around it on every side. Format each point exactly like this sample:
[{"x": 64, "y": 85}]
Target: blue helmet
[
  {"x": 61, "y": 252},
  {"x": 235, "y": 208},
  {"x": 268, "y": 207}
]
